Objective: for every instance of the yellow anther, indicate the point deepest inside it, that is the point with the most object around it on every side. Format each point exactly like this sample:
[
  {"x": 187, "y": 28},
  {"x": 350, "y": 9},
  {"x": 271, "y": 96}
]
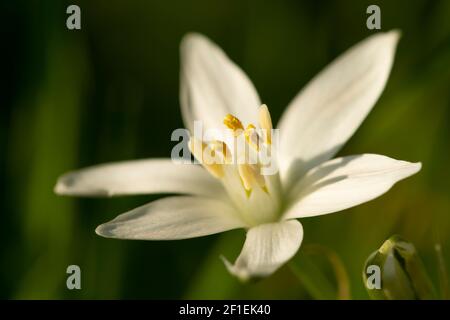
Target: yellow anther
[
  {"x": 198, "y": 148},
  {"x": 265, "y": 121},
  {"x": 251, "y": 177},
  {"x": 233, "y": 123},
  {"x": 251, "y": 136}
]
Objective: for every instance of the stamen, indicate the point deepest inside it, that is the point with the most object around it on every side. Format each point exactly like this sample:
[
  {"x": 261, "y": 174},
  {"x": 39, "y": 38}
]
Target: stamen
[
  {"x": 265, "y": 121},
  {"x": 249, "y": 173},
  {"x": 251, "y": 177},
  {"x": 233, "y": 123},
  {"x": 222, "y": 149},
  {"x": 197, "y": 148},
  {"x": 252, "y": 137}
]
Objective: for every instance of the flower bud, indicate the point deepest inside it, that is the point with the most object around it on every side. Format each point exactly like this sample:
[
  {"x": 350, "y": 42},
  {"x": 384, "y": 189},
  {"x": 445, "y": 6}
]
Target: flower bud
[{"x": 396, "y": 272}]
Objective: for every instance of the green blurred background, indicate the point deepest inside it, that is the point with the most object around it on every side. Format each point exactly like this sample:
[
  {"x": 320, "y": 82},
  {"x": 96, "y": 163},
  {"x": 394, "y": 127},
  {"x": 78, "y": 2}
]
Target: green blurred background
[{"x": 109, "y": 92}]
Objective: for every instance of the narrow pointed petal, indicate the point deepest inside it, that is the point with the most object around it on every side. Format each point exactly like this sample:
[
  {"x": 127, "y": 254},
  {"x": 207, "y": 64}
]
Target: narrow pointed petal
[
  {"x": 138, "y": 177},
  {"x": 212, "y": 86},
  {"x": 345, "y": 182},
  {"x": 266, "y": 248},
  {"x": 326, "y": 113},
  {"x": 173, "y": 218}
]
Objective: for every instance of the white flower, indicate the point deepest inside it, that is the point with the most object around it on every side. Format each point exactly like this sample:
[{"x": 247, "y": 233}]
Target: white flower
[{"x": 316, "y": 124}]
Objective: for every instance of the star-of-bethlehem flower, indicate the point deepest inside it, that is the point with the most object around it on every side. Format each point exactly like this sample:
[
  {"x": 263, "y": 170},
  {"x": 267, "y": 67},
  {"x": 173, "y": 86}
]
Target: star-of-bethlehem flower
[{"x": 316, "y": 124}]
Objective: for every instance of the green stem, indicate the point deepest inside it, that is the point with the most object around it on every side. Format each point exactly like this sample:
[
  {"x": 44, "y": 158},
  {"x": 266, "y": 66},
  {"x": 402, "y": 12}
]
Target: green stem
[
  {"x": 443, "y": 276},
  {"x": 342, "y": 279},
  {"x": 314, "y": 280}
]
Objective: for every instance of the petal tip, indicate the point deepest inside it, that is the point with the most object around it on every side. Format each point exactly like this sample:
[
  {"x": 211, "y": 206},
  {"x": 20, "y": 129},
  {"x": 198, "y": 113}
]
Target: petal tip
[
  {"x": 105, "y": 230},
  {"x": 241, "y": 274},
  {"x": 417, "y": 166},
  {"x": 190, "y": 36},
  {"x": 413, "y": 167},
  {"x": 392, "y": 38},
  {"x": 67, "y": 184},
  {"x": 58, "y": 188},
  {"x": 387, "y": 39},
  {"x": 73, "y": 184},
  {"x": 192, "y": 39},
  {"x": 394, "y": 34},
  {"x": 61, "y": 187}
]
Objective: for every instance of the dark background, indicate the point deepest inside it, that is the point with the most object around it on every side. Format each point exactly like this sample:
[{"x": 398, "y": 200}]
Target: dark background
[{"x": 109, "y": 92}]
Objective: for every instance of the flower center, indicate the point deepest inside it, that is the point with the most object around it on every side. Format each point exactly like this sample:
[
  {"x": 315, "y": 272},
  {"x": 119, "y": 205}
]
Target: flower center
[{"x": 239, "y": 167}]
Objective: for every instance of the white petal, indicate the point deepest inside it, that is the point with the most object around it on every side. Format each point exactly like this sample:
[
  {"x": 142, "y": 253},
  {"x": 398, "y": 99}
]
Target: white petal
[
  {"x": 266, "y": 248},
  {"x": 325, "y": 114},
  {"x": 213, "y": 86},
  {"x": 173, "y": 218},
  {"x": 345, "y": 182},
  {"x": 138, "y": 177}
]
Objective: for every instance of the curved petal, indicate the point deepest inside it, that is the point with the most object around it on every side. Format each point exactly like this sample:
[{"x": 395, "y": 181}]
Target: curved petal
[
  {"x": 325, "y": 114},
  {"x": 345, "y": 182},
  {"x": 266, "y": 248},
  {"x": 212, "y": 85},
  {"x": 138, "y": 177},
  {"x": 173, "y": 218}
]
